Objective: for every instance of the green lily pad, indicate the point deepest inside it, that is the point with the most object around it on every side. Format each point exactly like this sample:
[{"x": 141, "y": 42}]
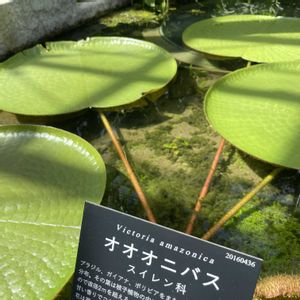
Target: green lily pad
[
  {"x": 252, "y": 37},
  {"x": 69, "y": 76},
  {"x": 46, "y": 175},
  {"x": 179, "y": 52},
  {"x": 257, "y": 109}
]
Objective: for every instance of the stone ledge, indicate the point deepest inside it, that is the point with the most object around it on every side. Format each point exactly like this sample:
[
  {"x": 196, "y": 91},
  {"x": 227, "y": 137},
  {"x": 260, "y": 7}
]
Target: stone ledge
[{"x": 26, "y": 22}]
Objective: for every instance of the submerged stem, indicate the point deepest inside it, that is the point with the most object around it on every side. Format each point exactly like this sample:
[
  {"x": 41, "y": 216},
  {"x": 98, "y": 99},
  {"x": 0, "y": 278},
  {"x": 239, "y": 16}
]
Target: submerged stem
[
  {"x": 128, "y": 168},
  {"x": 203, "y": 193},
  {"x": 241, "y": 203},
  {"x": 197, "y": 208}
]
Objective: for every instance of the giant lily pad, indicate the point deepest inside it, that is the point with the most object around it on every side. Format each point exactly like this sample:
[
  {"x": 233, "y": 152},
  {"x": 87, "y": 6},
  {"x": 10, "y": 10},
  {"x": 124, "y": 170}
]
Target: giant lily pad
[
  {"x": 252, "y": 37},
  {"x": 257, "y": 109},
  {"x": 69, "y": 76},
  {"x": 46, "y": 174}
]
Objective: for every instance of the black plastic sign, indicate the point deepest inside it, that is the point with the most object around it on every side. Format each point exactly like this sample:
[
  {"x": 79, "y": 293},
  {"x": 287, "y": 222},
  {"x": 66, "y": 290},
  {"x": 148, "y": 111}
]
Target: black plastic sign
[{"x": 123, "y": 257}]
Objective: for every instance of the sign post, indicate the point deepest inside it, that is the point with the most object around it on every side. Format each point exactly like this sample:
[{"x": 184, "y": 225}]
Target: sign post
[{"x": 123, "y": 257}]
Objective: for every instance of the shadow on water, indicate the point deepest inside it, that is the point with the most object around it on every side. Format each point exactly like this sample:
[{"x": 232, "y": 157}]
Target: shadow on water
[
  {"x": 174, "y": 102},
  {"x": 87, "y": 124},
  {"x": 120, "y": 195}
]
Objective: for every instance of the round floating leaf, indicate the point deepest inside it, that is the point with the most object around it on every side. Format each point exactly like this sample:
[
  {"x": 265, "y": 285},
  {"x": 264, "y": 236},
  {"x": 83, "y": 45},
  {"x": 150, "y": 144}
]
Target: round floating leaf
[
  {"x": 252, "y": 37},
  {"x": 257, "y": 109},
  {"x": 46, "y": 175},
  {"x": 69, "y": 76},
  {"x": 179, "y": 52}
]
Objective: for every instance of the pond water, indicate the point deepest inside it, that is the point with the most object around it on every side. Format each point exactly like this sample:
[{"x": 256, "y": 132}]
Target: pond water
[{"x": 171, "y": 146}]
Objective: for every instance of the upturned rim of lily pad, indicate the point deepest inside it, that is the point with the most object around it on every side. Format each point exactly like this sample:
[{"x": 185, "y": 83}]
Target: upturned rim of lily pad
[
  {"x": 257, "y": 38},
  {"x": 69, "y": 76},
  {"x": 257, "y": 110}
]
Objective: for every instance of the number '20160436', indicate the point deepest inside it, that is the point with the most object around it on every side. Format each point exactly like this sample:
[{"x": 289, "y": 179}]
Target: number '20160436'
[{"x": 239, "y": 259}]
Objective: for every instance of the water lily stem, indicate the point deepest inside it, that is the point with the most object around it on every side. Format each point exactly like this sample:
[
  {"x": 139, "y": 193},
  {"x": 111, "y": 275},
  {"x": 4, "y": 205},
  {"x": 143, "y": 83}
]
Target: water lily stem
[
  {"x": 128, "y": 168},
  {"x": 241, "y": 203},
  {"x": 203, "y": 193},
  {"x": 204, "y": 190}
]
